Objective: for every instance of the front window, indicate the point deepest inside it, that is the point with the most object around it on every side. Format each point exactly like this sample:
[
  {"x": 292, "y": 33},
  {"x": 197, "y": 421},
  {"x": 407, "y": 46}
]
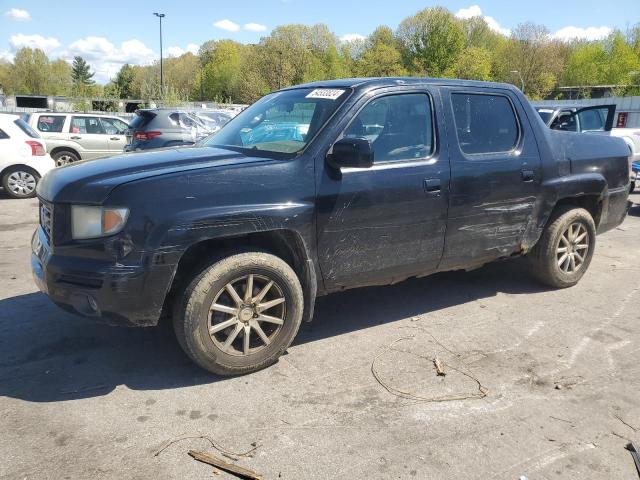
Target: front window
[{"x": 281, "y": 123}]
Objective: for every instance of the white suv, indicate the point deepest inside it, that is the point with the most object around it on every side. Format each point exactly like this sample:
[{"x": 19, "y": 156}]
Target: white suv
[{"x": 79, "y": 136}]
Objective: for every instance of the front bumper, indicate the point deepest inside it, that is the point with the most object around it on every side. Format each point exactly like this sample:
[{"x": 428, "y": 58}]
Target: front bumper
[{"x": 129, "y": 295}]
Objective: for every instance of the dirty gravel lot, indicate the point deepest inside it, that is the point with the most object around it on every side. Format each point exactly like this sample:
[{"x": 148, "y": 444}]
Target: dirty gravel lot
[{"x": 82, "y": 400}]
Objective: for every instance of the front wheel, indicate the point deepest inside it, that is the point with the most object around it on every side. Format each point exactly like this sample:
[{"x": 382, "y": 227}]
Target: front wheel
[
  {"x": 240, "y": 314},
  {"x": 563, "y": 254}
]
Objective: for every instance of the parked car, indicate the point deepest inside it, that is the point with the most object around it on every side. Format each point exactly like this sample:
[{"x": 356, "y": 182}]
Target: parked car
[
  {"x": 160, "y": 128},
  {"x": 596, "y": 119},
  {"x": 237, "y": 238},
  {"x": 213, "y": 120},
  {"x": 23, "y": 157},
  {"x": 79, "y": 136}
]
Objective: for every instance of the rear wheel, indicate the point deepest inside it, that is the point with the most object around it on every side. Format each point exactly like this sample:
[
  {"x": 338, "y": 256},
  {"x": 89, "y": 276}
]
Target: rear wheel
[
  {"x": 563, "y": 254},
  {"x": 240, "y": 314},
  {"x": 64, "y": 157},
  {"x": 20, "y": 182}
]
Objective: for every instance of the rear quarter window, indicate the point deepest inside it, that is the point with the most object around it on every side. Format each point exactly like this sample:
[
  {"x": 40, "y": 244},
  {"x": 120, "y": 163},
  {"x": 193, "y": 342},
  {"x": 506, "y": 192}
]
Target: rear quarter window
[
  {"x": 3, "y": 135},
  {"x": 26, "y": 128},
  {"x": 485, "y": 123},
  {"x": 139, "y": 122}
]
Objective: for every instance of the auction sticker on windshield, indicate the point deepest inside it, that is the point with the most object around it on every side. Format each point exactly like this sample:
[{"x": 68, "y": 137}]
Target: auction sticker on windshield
[{"x": 328, "y": 93}]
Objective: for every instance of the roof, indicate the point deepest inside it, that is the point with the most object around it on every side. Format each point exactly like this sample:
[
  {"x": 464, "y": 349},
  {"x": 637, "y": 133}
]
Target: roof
[{"x": 380, "y": 82}]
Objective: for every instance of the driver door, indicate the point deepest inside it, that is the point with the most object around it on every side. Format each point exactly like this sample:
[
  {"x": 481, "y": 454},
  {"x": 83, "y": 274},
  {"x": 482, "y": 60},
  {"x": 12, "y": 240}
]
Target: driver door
[{"x": 387, "y": 221}]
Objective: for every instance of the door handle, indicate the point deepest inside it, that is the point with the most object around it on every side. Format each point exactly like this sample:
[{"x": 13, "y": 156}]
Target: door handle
[
  {"x": 433, "y": 186},
  {"x": 527, "y": 175},
  {"x": 76, "y": 138},
  {"x": 115, "y": 138}
]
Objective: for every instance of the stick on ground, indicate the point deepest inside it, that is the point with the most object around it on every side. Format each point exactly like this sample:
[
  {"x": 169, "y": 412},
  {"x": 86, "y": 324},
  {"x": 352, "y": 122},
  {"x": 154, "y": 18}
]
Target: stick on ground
[{"x": 232, "y": 468}]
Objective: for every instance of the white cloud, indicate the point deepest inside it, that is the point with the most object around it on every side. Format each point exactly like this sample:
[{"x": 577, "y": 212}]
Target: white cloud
[
  {"x": 178, "y": 51},
  {"x": 352, "y": 37},
  {"x": 476, "y": 11},
  {"x": 174, "y": 51},
  {"x": 472, "y": 11},
  {"x": 18, "y": 14},
  {"x": 227, "y": 24},
  {"x": 495, "y": 26},
  {"x": 7, "y": 56},
  {"x": 255, "y": 27},
  {"x": 105, "y": 58},
  {"x": 46, "y": 44},
  {"x": 588, "y": 33}
]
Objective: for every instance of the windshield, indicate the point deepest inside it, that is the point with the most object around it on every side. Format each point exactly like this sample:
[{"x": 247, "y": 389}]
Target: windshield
[{"x": 281, "y": 123}]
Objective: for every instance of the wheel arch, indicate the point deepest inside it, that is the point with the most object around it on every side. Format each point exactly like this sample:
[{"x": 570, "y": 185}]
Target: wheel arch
[
  {"x": 16, "y": 165},
  {"x": 59, "y": 149},
  {"x": 582, "y": 191},
  {"x": 286, "y": 244}
]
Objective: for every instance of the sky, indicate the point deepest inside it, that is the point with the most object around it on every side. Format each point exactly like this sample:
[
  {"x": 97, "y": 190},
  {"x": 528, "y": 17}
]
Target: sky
[{"x": 110, "y": 33}]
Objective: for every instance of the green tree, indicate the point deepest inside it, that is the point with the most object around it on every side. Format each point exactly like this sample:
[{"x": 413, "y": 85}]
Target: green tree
[
  {"x": 123, "y": 83},
  {"x": 81, "y": 73},
  {"x": 31, "y": 72},
  {"x": 60, "y": 82},
  {"x": 432, "y": 40},
  {"x": 474, "y": 63},
  {"x": 220, "y": 70},
  {"x": 535, "y": 56}
]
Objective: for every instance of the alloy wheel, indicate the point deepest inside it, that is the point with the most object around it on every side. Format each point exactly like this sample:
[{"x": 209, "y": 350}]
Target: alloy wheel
[
  {"x": 63, "y": 160},
  {"x": 247, "y": 314},
  {"x": 573, "y": 247}
]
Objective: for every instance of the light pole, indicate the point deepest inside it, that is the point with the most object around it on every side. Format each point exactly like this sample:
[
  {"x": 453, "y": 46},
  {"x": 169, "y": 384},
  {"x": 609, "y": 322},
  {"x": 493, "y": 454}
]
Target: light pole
[
  {"x": 160, "y": 16},
  {"x": 521, "y": 79}
]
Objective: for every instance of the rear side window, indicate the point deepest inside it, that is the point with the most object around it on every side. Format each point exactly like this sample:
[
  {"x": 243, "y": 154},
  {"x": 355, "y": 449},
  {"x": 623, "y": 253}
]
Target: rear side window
[
  {"x": 113, "y": 126},
  {"x": 399, "y": 127},
  {"x": 86, "y": 125},
  {"x": 26, "y": 128},
  {"x": 50, "y": 123},
  {"x": 485, "y": 123},
  {"x": 3, "y": 134}
]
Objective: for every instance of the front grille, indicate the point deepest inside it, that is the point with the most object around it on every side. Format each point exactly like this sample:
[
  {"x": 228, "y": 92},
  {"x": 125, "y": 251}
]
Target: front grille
[{"x": 46, "y": 219}]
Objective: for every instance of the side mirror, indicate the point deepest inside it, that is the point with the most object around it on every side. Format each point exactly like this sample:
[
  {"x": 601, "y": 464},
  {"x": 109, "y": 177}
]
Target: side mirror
[{"x": 352, "y": 152}]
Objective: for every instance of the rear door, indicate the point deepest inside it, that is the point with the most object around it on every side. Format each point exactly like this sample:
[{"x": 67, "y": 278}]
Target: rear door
[
  {"x": 387, "y": 221},
  {"x": 87, "y": 133},
  {"x": 495, "y": 175},
  {"x": 115, "y": 130},
  {"x": 50, "y": 127}
]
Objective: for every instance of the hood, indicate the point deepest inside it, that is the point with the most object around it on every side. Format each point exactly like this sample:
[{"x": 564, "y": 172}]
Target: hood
[{"x": 91, "y": 181}]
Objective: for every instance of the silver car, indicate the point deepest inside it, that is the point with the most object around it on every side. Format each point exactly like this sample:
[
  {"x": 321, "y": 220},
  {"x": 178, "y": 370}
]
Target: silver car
[{"x": 72, "y": 137}]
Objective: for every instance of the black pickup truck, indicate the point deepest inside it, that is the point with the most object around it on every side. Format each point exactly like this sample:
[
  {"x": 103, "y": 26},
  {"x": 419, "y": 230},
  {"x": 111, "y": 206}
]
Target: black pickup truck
[{"x": 319, "y": 188}]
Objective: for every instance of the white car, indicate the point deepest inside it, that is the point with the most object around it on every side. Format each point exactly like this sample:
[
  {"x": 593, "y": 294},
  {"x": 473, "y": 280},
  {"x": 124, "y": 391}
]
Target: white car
[{"x": 23, "y": 157}]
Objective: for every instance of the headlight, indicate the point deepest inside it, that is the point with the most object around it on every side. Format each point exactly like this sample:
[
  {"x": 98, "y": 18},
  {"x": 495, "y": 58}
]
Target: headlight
[{"x": 93, "y": 222}]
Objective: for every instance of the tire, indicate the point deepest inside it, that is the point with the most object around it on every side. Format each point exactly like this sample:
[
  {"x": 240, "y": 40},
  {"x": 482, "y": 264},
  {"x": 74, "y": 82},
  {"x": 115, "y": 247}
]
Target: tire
[
  {"x": 193, "y": 315},
  {"x": 65, "y": 157},
  {"x": 557, "y": 245},
  {"x": 20, "y": 182}
]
